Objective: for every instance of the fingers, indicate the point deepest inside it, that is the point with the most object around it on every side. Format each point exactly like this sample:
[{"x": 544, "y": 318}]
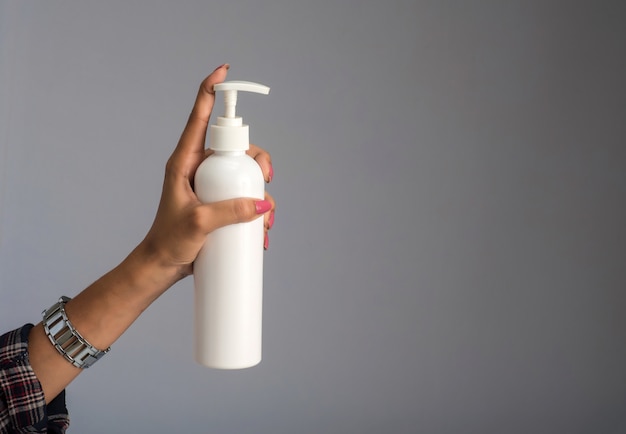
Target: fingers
[
  {"x": 264, "y": 160},
  {"x": 268, "y": 218},
  {"x": 269, "y": 221},
  {"x": 190, "y": 147},
  {"x": 206, "y": 97}
]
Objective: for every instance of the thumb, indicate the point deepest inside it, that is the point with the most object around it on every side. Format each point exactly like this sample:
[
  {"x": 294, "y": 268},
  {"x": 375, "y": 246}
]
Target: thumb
[{"x": 226, "y": 212}]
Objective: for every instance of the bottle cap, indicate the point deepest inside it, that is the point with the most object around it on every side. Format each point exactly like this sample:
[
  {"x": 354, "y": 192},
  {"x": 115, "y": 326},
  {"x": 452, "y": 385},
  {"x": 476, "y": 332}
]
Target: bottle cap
[{"x": 230, "y": 133}]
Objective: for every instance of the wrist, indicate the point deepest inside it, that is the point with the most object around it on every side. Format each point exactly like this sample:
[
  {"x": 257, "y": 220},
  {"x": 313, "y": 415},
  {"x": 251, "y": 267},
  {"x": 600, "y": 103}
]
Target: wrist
[
  {"x": 104, "y": 310},
  {"x": 151, "y": 267}
]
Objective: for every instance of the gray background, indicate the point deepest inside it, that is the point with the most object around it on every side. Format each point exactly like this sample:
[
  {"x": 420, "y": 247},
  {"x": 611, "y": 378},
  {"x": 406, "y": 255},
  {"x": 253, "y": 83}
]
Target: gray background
[{"x": 449, "y": 254}]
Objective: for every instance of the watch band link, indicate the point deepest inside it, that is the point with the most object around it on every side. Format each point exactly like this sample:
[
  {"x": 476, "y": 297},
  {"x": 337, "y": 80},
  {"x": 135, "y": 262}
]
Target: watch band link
[{"x": 66, "y": 338}]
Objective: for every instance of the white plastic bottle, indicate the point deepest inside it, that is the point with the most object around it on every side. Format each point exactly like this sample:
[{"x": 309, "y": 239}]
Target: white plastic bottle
[{"x": 228, "y": 272}]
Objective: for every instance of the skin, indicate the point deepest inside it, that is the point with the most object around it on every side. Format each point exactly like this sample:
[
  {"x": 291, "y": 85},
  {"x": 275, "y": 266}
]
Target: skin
[{"x": 105, "y": 309}]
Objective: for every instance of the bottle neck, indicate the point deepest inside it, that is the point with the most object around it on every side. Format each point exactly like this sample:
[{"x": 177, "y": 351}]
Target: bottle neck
[{"x": 229, "y": 153}]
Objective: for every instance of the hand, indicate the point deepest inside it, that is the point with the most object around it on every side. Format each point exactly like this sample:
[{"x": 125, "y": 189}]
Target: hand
[{"x": 182, "y": 222}]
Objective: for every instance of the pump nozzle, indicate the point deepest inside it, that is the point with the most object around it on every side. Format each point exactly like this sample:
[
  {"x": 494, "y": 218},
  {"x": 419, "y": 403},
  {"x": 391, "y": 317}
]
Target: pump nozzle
[
  {"x": 230, "y": 89},
  {"x": 230, "y": 133}
]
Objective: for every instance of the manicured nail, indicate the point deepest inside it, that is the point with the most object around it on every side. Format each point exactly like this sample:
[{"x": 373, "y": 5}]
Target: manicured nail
[
  {"x": 271, "y": 175},
  {"x": 262, "y": 206},
  {"x": 270, "y": 221},
  {"x": 266, "y": 242},
  {"x": 225, "y": 65}
]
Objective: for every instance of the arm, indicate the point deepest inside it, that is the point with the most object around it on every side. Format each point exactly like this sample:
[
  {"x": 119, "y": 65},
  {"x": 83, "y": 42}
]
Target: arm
[{"x": 104, "y": 310}]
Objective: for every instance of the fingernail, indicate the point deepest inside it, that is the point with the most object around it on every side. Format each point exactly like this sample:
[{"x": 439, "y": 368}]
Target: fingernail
[
  {"x": 262, "y": 206},
  {"x": 271, "y": 175},
  {"x": 225, "y": 65},
  {"x": 266, "y": 242},
  {"x": 270, "y": 222}
]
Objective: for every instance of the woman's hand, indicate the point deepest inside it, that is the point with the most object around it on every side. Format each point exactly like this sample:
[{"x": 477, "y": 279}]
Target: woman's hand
[{"x": 182, "y": 222}]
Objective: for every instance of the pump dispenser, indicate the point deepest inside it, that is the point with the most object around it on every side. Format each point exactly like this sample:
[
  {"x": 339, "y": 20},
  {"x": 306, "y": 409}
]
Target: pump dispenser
[
  {"x": 228, "y": 272},
  {"x": 230, "y": 134}
]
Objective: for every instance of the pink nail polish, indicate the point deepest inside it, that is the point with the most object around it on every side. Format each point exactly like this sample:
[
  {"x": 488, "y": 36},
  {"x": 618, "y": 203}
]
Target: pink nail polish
[
  {"x": 271, "y": 175},
  {"x": 262, "y": 206},
  {"x": 266, "y": 242},
  {"x": 270, "y": 221}
]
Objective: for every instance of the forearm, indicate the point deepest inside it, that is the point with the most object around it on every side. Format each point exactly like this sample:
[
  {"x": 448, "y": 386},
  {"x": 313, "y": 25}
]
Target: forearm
[{"x": 101, "y": 313}]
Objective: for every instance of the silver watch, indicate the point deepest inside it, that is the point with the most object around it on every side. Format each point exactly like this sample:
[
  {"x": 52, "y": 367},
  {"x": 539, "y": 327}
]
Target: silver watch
[{"x": 66, "y": 338}]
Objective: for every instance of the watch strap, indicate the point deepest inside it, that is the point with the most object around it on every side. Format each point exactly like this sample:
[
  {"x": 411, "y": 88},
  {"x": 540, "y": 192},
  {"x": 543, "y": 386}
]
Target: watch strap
[{"x": 66, "y": 339}]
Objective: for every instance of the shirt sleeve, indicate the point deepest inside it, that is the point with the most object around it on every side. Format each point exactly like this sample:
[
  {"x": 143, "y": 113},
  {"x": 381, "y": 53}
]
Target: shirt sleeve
[{"x": 22, "y": 403}]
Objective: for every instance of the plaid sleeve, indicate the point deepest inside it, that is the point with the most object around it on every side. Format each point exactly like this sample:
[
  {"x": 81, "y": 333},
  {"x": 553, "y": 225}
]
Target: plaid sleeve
[{"x": 23, "y": 406}]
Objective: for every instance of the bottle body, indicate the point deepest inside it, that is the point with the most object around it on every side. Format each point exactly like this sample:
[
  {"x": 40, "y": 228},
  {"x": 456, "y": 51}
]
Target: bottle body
[{"x": 228, "y": 272}]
